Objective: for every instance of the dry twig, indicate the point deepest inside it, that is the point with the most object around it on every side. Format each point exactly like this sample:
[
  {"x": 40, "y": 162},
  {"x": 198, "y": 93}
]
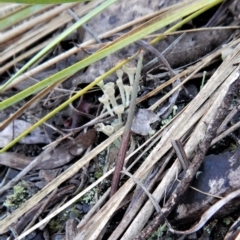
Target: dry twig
[{"x": 127, "y": 130}]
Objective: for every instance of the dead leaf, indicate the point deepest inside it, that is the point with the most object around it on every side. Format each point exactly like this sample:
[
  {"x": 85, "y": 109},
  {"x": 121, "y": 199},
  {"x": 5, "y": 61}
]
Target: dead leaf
[
  {"x": 58, "y": 157},
  {"x": 17, "y": 127},
  {"x": 141, "y": 122}
]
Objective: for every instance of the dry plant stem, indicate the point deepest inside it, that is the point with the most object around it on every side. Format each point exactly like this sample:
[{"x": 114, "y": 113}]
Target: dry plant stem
[
  {"x": 93, "y": 122},
  {"x": 178, "y": 147},
  {"x": 70, "y": 229},
  {"x": 7, "y": 9},
  {"x": 82, "y": 181},
  {"x": 226, "y": 133},
  {"x": 6, "y": 177},
  {"x": 127, "y": 129},
  {"x": 233, "y": 230},
  {"x": 139, "y": 192},
  {"x": 205, "y": 193},
  {"x": 59, "y": 196},
  {"x": 25, "y": 55},
  {"x": 18, "y": 226},
  {"x": 14, "y": 232},
  {"x": 155, "y": 204},
  {"x": 46, "y": 125},
  {"x": 224, "y": 124},
  {"x": 150, "y": 179},
  {"x": 151, "y": 142},
  {"x": 196, "y": 162},
  {"x": 219, "y": 13},
  {"x": 58, "y": 205}
]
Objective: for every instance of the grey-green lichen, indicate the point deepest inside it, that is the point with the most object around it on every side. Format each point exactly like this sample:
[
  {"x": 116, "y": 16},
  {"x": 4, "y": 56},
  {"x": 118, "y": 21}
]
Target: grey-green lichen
[
  {"x": 159, "y": 233},
  {"x": 89, "y": 197},
  {"x": 21, "y": 194}
]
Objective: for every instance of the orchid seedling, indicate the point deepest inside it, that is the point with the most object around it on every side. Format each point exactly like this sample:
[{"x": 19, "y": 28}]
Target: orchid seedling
[
  {"x": 110, "y": 91},
  {"x": 119, "y": 111},
  {"x": 105, "y": 101},
  {"x": 116, "y": 125},
  {"x": 174, "y": 109},
  {"x": 106, "y": 129},
  {"x": 128, "y": 90},
  {"x": 119, "y": 73},
  {"x": 130, "y": 72},
  {"x": 108, "y": 85}
]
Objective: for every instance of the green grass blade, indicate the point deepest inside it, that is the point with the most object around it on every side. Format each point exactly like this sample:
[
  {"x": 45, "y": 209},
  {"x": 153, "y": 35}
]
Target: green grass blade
[{"x": 58, "y": 39}]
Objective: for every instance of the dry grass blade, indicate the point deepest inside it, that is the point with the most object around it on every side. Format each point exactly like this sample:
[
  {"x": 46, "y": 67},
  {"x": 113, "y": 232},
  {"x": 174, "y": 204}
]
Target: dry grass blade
[
  {"x": 8, "y": 9},
  {"x": 21, "y": 15}
]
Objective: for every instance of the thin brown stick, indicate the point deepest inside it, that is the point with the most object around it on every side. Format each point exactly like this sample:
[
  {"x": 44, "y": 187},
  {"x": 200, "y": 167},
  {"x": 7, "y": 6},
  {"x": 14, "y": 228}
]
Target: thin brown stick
[
  {"x": 127, "y": 130},
  {"x": 179, "y": 150},
  {"x": 154, "y": 202}
]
